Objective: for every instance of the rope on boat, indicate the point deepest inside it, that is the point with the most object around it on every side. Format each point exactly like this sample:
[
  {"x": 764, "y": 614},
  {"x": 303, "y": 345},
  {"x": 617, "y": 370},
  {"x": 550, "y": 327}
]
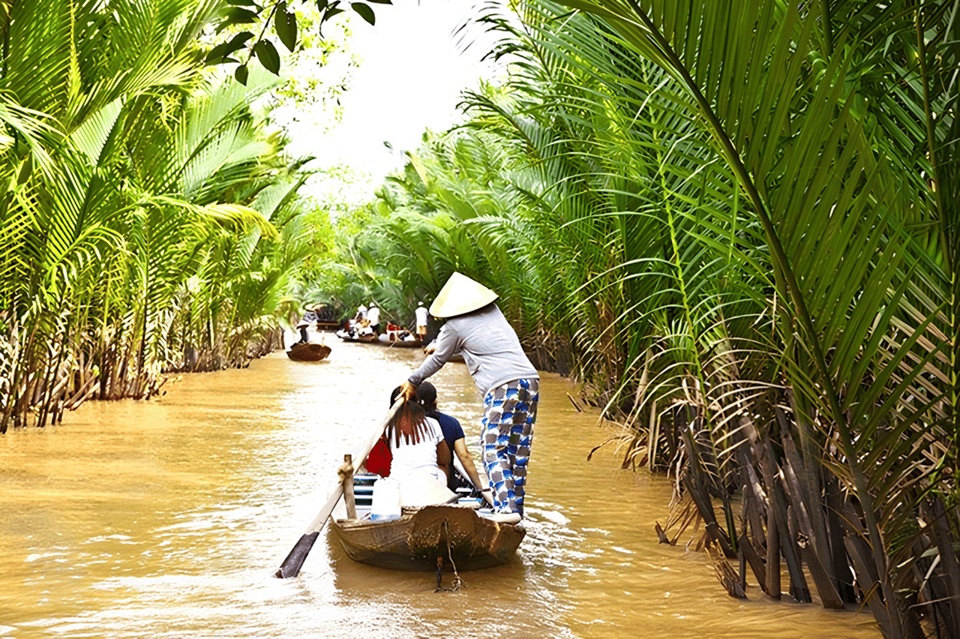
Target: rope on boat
[{"x": 457, "y": 582}]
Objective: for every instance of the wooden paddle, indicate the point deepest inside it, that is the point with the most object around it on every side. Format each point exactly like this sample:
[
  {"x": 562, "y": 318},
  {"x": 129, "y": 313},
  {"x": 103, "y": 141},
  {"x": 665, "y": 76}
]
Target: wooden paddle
[{"x": 294, "y": 561}]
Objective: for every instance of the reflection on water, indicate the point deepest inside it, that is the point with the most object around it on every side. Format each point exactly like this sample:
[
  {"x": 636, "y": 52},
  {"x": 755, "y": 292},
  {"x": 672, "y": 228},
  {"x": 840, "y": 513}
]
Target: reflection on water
[{"x": 167, "y": 518}]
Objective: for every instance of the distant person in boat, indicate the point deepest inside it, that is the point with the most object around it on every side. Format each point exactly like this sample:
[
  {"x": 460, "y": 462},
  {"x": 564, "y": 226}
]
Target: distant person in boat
[
  {"x": 360, "y": 316},
  {"x": 396, "y": 333},
  {"x": 373, "y": 318},
  {"x": 309, "y": 317},
  {"x": 348, "y": 329},
  {"x": 392, "y": 331},
  {"x": 477, "y": 329},
  {"x": 421, "y": 322},
  {"x": 416, "y": 443},
  {"x": 453, "y": 435}
]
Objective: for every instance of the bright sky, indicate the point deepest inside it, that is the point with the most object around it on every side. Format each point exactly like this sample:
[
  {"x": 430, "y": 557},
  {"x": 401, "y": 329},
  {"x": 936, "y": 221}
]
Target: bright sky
[{"x": 411, "y": 73}]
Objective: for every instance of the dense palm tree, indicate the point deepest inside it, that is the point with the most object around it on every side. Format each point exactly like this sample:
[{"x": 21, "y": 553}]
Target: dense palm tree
[
  {"x": 136, "y": 217},
  {"x": 739, "y": 218},
  {"x": 829, "y": 183}
]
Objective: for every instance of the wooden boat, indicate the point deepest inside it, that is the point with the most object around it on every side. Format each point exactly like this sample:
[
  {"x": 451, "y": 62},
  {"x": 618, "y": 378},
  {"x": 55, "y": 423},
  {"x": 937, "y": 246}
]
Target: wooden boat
[
  {"x": 421, "y": 538},
  {"x": 308, "y": 352},
  {"x": 423, "y": 535},
  {"x": 399, "y": 343},
  {"x": 350, "y": 337}
]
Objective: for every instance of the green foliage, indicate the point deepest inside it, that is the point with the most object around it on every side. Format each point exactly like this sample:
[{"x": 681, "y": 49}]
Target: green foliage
[
  {"x": 364, "y": 11},
  {"x": 796, "y": 114},
  {"x": 285, "y": 24},
  {"x": 150, "y": 227},
  {"x": 291, "y": 23},
  {"x": 735, "y": 217}
]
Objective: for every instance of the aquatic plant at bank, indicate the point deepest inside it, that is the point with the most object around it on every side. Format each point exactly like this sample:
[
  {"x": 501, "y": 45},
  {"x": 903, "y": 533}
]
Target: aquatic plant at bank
[
  {"x": 741, "y": 219},
  {"x": 140, "y": 187},
  {"x": 843, "y": 445}
]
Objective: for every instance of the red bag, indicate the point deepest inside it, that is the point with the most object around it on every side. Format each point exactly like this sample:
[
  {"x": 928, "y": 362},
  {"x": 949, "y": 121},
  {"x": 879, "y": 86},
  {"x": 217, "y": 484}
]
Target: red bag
[{"x": 379, "y": 459}]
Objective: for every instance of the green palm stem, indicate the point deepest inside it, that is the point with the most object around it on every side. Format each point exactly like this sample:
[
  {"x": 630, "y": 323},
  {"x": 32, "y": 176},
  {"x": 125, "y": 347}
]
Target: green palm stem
[
  {"x": 927, "y": 108},
  {"x": 827, "y": 27},
  {"x": 812, "y": 452},
  {"x": 697, "y": 363},
  {"x": 950, "y": 233},
  {"x": 142, "y": 348},
  {"x": 954, "y": 240},
  {"x": 6, "y": 45},
  {"x": 11, "y": 130},
  {"x": 786, "y": 276}
]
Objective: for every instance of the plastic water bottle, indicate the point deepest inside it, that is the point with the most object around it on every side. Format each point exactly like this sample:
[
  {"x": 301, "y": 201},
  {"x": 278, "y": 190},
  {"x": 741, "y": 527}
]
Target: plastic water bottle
[{"x": 386, "y": 500}]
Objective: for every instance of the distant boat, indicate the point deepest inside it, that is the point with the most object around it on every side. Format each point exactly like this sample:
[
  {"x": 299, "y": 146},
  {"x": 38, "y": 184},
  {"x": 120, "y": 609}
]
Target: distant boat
[
  {"x": 399, "y": 343},
  {"x": 353, "y": 337},
  {"x": 308, "y": 352}
]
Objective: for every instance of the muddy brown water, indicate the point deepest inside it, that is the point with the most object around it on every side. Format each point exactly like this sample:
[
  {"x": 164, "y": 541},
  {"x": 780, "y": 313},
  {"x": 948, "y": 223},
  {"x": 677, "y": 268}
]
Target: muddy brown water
[{"x": 168, "y": 518}]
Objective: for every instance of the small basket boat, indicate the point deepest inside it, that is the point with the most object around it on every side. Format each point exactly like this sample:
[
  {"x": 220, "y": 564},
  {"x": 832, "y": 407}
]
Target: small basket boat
[{"x": 308, "y": 352}]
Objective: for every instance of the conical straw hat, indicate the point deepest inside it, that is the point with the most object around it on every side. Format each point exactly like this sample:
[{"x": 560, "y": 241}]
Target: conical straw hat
[{"x": 460, "y": 295}]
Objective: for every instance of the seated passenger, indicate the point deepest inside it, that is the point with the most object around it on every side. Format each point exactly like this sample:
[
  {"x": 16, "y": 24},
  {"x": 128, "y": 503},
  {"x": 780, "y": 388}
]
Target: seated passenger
[
  {"x": 453, "y": 434},
  {"x": 392, "y": 330},
  {"x": 416, "y": 443},
  {"x": 309, "y": 317},
  {"x": 373, "y": 318}
]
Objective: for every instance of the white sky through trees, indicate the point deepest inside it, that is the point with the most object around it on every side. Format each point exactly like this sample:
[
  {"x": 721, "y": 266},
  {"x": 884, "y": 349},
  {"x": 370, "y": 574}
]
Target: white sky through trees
[{"x": 412, "y": 70}]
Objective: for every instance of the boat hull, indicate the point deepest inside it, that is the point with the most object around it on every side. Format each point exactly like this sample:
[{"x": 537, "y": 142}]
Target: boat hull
[
  {"x": 399, "y": 343},
  {"x": 347, "y": 337},
  {"x": 422, "y": 536},
  {"x": 308, "y": 352}
]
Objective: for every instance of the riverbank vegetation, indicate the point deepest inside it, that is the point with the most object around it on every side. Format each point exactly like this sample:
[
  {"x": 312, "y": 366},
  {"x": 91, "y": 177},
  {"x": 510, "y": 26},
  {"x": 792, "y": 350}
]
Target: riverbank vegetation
[
  {"x": 735, "y": 223},
  {"x": 149, "y": 216}
]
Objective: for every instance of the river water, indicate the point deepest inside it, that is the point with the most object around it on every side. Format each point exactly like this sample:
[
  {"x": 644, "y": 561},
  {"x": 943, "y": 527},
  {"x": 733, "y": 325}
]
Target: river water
[{"x": 168, "y": 518}]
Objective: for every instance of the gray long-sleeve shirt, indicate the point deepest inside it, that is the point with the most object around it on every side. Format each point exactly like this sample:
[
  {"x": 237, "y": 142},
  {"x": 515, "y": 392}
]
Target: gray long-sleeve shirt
[{"x": 489, "y": 346}]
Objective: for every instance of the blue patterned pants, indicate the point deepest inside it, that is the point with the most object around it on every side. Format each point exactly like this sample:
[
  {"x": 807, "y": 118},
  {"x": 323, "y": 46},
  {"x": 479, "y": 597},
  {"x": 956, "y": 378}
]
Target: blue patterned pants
[{"x": 510, "y": 412}]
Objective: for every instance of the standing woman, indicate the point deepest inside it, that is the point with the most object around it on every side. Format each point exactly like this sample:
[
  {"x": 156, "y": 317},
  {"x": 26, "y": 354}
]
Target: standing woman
[{"x": 477, "y": 329}]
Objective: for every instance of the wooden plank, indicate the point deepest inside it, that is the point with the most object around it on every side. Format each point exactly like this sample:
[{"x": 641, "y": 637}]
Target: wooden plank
[{"x": 350, "y": 500}]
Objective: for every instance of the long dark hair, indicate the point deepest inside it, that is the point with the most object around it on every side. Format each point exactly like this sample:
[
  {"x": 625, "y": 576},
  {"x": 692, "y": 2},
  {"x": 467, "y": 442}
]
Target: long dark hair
[
  {"x": 427, "y": 395},
  {"x": 410, "y": 421}
]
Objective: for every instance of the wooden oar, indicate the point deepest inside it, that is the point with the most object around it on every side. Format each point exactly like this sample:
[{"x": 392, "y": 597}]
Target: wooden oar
[{"x": 294, "y": 561}]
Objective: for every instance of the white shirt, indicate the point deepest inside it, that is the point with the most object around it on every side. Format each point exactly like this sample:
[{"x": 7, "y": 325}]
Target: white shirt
[
  {"x": 374, "y": 315},
  {"x": 411, "y": 457},
  {"x": 421, "y": 316}
]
